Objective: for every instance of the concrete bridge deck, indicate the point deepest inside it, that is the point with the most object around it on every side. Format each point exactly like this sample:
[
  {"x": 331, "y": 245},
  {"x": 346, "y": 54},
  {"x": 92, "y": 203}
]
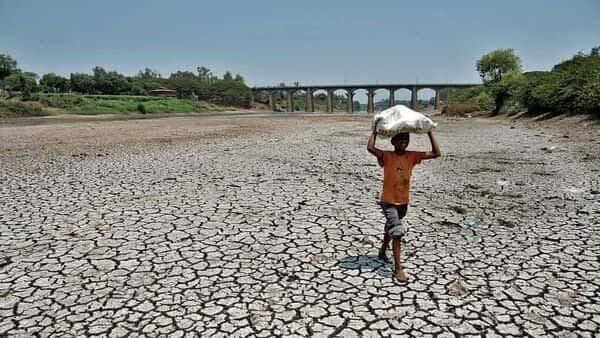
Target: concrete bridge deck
[{"x": 351, "y": 89}]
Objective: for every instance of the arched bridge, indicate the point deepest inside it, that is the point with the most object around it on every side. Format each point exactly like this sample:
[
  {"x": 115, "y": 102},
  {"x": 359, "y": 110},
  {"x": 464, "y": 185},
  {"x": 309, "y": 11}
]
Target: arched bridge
[{"x": 350, "y": 90}]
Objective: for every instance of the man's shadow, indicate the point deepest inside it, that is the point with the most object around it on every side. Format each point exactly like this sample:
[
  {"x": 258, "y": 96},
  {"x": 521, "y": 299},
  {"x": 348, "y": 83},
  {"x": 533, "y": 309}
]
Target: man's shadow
[{"x": 366, "y": 263}]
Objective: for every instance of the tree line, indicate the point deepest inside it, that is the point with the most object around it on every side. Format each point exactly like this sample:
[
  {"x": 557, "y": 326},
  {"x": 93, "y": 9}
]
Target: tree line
[
  {"x": 571, "y": 86},
  {"x": 201, "y": 85}
]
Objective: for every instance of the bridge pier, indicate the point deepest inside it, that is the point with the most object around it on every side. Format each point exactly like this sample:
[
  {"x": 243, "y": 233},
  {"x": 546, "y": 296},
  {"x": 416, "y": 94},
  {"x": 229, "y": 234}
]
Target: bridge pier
[
  {"x": 414, "y": 98},
  {"x": 436, "y": 105},
  {"x": 446, "y": 98},
  {"x": 271, "y": 100},
  {"x": 309, "y": 101},
  {"x": 330, "y": 101},
  {"x": 370, "y": 101},
  {"x": 350, "y": 100},
  {"x": 290, "y": 101},
  {"x": 392, "y": 99}
]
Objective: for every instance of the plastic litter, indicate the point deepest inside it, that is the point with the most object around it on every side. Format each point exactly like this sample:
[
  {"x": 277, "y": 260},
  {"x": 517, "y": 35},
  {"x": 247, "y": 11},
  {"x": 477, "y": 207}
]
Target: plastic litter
[
  {"x": 469, "y": 224},
  {"x": 457, "y": 288},
  {"x": 401, "y": 119}
]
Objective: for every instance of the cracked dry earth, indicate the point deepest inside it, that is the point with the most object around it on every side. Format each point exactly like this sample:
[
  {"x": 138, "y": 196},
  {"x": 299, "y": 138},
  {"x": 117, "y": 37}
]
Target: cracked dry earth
[{"x": 215, "y": 227}]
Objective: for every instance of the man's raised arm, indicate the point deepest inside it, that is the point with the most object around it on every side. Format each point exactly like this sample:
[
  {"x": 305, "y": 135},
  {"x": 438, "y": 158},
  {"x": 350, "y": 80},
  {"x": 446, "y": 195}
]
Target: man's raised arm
[
  {"x": 435, "y": 148},
  {"x": 371, "y": 145}
]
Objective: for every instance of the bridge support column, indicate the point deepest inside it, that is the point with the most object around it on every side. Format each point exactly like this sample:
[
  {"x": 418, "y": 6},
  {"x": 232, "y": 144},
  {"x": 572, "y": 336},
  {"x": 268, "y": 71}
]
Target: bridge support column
[
  {"x": 271, "y": 100},
  {"x": 330, "y": 101},
  {"x": 350, "y": 101},
  {"x": 392, "y": 99},
  {"x": 436, "y": 104},
  {"x": 445, "y": 96},
  {"x": 310, "y": 107},
  {"x": 370, "y": 101},
  {"x": 413, "y": 98},
  {"x": 290, "y": 102}
]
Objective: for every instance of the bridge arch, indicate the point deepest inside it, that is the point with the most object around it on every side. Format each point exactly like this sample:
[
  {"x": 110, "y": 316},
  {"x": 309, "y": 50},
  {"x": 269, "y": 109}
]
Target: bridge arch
[
  {"x": 298, "y": 100},
  {"x": 425, "y": 99},
  {"x": 360, "y": 101},
  {"x": 403, "y": 96},
  {"x": 339, "y": 99},
  {"x": 321, "y": 100}
]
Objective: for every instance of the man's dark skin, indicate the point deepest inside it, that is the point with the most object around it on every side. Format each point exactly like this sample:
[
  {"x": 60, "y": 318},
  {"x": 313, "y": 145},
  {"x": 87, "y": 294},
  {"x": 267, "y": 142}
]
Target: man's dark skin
[{"x": 400, "y": 143}]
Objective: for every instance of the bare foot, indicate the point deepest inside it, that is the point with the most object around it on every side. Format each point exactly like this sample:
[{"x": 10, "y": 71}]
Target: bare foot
[{"x": 399, "y": 276}]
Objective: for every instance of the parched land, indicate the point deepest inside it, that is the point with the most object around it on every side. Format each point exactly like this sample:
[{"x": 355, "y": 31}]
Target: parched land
[{"x": 268, "y": 225}]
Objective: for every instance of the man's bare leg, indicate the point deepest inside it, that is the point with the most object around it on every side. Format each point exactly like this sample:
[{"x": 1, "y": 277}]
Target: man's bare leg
[
  {"x": 398, "y": 270},
  {"x": 384, "y": 245}
]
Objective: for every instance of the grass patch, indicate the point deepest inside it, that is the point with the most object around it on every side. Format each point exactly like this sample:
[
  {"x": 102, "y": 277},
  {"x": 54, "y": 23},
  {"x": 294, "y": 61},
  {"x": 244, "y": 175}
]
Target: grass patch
[
  {"x": 20, "y": 109},
  {"x": 122, "y": 104}
]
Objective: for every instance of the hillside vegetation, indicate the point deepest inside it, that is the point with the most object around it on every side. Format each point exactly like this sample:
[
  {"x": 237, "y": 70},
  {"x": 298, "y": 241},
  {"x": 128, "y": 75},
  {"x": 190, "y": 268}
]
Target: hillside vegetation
[
  {"x": 24, "y": 93},
  {"x": 570, "y": 87}
]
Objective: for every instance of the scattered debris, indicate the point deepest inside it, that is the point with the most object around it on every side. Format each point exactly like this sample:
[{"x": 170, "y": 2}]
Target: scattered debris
[
  {"x": 458, "y": 209},
  {"x": 567, "y": 297},
  {"x": 472, "y": 186},
  {"x": 470, "y": 224},
  {"x": 457, "y": 288},
  {"x": 80, "y": 155},
  {"x": 535, "y": 316},
  {"x": 551, "y": 149},
  {"x": 505, "y": 223}
]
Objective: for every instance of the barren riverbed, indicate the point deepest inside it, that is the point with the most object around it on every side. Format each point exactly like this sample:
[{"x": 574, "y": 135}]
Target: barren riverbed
[{"x": 268, "y": 225}]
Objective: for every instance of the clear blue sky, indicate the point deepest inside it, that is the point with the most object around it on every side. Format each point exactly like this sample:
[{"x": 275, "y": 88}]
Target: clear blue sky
[{"x": 272, "y": 41}]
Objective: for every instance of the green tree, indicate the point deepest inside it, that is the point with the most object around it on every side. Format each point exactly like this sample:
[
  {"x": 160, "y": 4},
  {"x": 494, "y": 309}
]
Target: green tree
[
  {"x": 145, "y": 81},
  {"x": 148, "y": 74},
  {"x": 493, "y": 65},
  {"x": 110, "y": 82},
  {"x": 51, "y": 82},
  {"x": 227, "y": 76},
  {"x": 24, "y": 82},
  {"x": 82, "y": 83},
  {"x": 204, "y": 73},
  {"x": 8, "y": 66},
  {"x": 510, "y": 87}
]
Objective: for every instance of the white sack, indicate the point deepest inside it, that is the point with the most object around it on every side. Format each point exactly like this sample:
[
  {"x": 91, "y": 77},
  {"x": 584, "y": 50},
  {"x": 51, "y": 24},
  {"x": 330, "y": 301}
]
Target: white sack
[{"x": 401, "y": 119}]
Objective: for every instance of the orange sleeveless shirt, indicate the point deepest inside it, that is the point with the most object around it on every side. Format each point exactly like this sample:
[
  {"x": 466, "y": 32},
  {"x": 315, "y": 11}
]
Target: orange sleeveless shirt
[{"x": 397, "y": 171}]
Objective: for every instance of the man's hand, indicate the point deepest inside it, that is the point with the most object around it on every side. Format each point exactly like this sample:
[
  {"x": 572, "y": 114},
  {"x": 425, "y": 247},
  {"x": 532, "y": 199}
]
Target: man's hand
[
  {"x": 371, "y": 145},
  {"x": 435, "y": 148},
  {"x": 375, "y": 126}
]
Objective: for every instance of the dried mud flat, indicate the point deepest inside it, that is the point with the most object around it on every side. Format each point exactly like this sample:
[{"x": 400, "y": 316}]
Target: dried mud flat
[{"x": 236, "y": 226}]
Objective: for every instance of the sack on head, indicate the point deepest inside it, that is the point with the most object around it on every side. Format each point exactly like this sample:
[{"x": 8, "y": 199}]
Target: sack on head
[{"x": 401, "y": 119}]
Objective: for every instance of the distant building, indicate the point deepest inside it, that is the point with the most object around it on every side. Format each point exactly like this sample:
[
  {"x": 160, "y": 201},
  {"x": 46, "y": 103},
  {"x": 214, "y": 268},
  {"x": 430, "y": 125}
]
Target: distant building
[{"x": 163, "y": 91}]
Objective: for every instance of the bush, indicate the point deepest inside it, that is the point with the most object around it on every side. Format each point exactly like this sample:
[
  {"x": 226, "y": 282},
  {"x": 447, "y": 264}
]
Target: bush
[
  {"x": 231, "y": 93},
  {"x": 469, "y": 100},
  {"x": 572, "y": 86},
  {"x": 19, "y": 109},
  {"x": 63, "y": 101},
  {"x": 463, "y": 107},
  {"x": 141, "y": 108}
]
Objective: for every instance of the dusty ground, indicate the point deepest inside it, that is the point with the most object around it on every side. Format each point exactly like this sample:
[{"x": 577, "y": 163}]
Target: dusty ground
[{"x": 235, "y": 226}]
